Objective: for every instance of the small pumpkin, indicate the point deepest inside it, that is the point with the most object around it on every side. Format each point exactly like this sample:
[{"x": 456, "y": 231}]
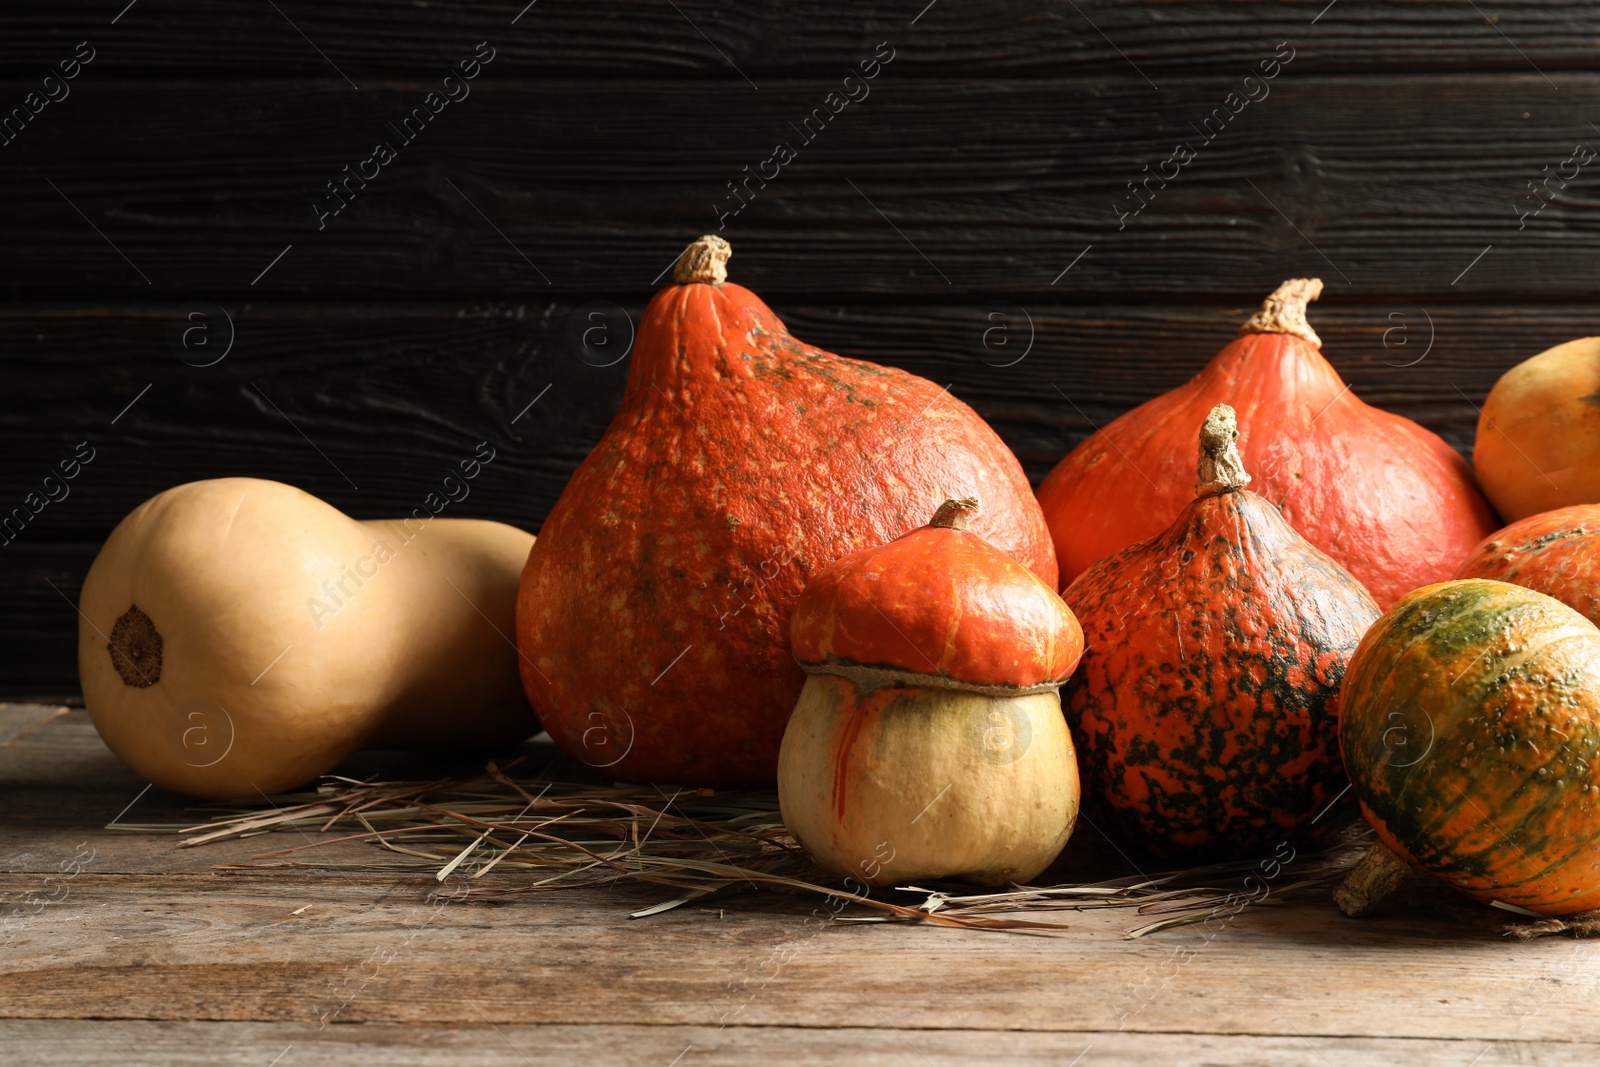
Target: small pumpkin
[
  {"x": 1555, "y": 552},
  {"x": 1388, "y": 499},
  {"x": 239, "y": 636},
  {"x": 655, "y": 606},
  {"x": 1471, "y": 732},
  {"x": 1538, "y": 443},
  {"x": 1206, "y": 707},
  {"x": 928, "y": 740}
]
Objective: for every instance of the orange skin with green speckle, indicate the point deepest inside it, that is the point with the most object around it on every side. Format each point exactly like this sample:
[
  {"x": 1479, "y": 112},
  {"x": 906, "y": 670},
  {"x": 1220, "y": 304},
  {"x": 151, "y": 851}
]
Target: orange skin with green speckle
[
  {"x": 1206, "y": 707},
  {"x": 1471, "y": 732},
  {"x": 653, "y": 616},
  {"x": 1555, "y": 552}
]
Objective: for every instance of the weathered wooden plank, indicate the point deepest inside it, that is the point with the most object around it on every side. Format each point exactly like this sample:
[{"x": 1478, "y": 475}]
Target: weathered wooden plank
[
  {"x": 60, "y": 788},
  {"x": 19, "y": 720},
  {"x": 116, "y": 1043},
  {"x": 1395, "y": 184},
  {"x": 315, "y": 948},
  {"x": 158, "y": 943},
  {"x": 395, "y": 391},
  {"x": 369, "y": 40},
  {"x": 370, "y": 949},
  {"x": 38, "y": 632}
]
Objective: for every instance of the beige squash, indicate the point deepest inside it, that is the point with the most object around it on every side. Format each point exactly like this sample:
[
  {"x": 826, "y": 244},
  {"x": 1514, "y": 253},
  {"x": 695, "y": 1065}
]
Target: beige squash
[
  {"x": 239, "y": 637},
  {"x": 1538, "y": 443},
  {"x": 892, "y": 783},
  {"x": 928, "y": 741}
]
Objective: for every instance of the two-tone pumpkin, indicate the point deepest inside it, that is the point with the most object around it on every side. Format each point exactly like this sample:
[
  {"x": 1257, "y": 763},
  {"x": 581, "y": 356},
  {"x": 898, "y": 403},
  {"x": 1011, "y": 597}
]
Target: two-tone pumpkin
[
  {"x": 1471, "y": 732},
  {"x": 928, "y": 740}
]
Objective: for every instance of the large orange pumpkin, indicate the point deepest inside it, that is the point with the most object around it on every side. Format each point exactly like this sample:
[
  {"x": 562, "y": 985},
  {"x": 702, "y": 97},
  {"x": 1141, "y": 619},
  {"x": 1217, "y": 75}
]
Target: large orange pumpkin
[
  {"x": 1206, "y": 705},
  {"x": 1386, "y": 498},
  {"x": 654, "y": 613},
  {"x": 1555, "y": 552},
  {"x": 1471, "y": 732}
]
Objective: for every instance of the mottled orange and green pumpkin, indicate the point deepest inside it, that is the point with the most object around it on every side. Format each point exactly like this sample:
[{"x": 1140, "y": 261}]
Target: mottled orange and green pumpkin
[
  {"x": 1387, "y": 498},
  {"x": 653, "y": 617},
  {"x": 1206, "y": 705},
  {"x": 1554, "y": 552},
  {"x": 1471, "y": 732}
]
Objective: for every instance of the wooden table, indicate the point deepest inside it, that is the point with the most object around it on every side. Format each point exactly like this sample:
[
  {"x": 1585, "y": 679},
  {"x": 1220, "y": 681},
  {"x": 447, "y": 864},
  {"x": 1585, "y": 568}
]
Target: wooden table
[{"x": 123, "y": 949}]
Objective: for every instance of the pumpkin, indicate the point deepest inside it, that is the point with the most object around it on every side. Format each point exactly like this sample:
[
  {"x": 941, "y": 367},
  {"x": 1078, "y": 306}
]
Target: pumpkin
[
  {"x": 1206, "y": 708},
  {"x": 1471, "y": 731},
  {"x": 240, "y": 636},
  {"x": 928, "y": 740},
  {"x": 1386, "y": 498},
  {"x": 1538, "y": 443},
  {"x": 1556, "y": 552},
  {"x": 655, "y": 606}
]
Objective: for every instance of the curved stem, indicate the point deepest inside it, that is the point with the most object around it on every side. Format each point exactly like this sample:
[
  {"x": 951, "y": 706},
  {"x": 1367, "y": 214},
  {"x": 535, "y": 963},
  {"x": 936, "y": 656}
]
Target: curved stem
[{"x": 1285, "y": 310}]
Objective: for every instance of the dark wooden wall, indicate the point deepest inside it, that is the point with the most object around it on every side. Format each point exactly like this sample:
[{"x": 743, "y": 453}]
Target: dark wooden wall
[{"x": 929, "y": 225}]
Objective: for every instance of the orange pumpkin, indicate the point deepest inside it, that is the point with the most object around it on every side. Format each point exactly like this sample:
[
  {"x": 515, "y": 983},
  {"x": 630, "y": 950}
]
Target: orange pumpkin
[
  {"x": 939, "y": 603},
  {"x": 1385, "y": 497},
  {"x": 928, "y": 740},
  {"x": 654, "y": 610},
  {"x": 1471, "y": 731},
  {"x": 1538, "y": 444},
  {"x": 1206, "y": 706},
  {"x": 1555, "y": 552}
]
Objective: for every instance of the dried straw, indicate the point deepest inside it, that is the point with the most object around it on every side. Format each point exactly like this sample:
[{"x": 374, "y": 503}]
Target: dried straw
[{"x": 569, "y": 833}]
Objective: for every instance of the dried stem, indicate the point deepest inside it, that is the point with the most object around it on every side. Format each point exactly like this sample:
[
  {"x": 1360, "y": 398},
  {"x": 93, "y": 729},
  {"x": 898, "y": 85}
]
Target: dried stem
[
  {"x": 706, "y": 260},
  {"x": 955, "y": 514},
  {"x": 1285, "y": 310},
  {"x": 1378, "y": 874},
  {"x": 1220, "y": 468}
]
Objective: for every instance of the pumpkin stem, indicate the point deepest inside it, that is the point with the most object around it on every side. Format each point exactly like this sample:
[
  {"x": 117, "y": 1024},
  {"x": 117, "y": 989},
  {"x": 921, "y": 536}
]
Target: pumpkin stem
[
  {"x": 1378, "y": 874},
  {"x": 705, "y": 260},
  {"x": 955, "y": 514},
  {"x": 1220, "y": 467},
  {"x": 1285, "y": 310}
]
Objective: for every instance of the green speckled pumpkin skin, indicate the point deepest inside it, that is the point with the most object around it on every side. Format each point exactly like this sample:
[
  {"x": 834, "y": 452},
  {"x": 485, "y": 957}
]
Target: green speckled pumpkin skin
[
  {"x": 1555, "y": 552},
  {"x": 1471, "y": 731},
  {"x": 1206, "y": 704}
]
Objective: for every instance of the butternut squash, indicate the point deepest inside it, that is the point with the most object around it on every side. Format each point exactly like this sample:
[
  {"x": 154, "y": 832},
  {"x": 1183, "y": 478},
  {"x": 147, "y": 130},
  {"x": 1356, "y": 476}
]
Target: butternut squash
[{"x": 240, "y": 637}]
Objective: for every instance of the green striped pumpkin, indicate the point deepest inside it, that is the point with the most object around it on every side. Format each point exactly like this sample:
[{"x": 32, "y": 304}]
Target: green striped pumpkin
[{"x": 1470, "y": 728}]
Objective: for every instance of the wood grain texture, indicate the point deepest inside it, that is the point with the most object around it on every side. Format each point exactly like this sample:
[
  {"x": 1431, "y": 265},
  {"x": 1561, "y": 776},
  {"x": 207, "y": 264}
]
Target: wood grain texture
[
  {"x": 1392, "y": 184},
  {"x": 387, "y": 394},
  {"x": 46, "y": 1043},
  {"x": 699, "y": 38},
  {"x": 19, "y": 720},
  {"x": 391, "y": 394},
  {"x": 133, "y": 937},
  {"x": 928, "y": 227},
  {"x": 205, "y": 947}
]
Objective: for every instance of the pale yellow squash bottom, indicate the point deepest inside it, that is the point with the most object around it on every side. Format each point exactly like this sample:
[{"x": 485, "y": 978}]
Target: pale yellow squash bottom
[{"x": 901, "y": 783}]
